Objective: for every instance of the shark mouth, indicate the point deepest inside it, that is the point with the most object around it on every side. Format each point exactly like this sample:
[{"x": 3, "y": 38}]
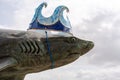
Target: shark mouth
[
  {"x": 74, "y": 54},
  {"x": 89, "y": 46}
]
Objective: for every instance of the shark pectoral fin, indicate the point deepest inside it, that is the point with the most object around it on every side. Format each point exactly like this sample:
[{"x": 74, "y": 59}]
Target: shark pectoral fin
[{"x": 6, "y": 62}]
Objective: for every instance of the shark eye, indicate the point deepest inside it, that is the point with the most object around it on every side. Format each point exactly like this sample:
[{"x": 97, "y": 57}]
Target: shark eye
[{"x": 71, "y": 40}]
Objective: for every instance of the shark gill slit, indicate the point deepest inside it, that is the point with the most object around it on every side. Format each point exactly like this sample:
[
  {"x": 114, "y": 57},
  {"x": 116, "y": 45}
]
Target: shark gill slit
[
  {"x": 38, "y": 50},
  {"x": 25, "y": 47},
  {"x": 30, "y": 47}
]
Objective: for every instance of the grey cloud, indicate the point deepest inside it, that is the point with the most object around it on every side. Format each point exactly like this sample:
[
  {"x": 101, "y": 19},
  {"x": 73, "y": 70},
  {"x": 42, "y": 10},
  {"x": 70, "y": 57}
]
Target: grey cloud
[
  {"x": 106, "y": 37},
  {"x": 99, "y": 74},
  {"x": 7, "y": 8}
]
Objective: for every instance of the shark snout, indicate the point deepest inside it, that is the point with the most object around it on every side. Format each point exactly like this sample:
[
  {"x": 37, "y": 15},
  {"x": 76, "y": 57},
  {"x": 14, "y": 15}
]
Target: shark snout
[
  {"x": 90, "y": 45},
  {"x": 85, "y": 46}
]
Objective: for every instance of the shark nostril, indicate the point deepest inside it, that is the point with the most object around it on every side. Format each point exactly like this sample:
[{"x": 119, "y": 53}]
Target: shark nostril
[{"x": 90, "y": 45}]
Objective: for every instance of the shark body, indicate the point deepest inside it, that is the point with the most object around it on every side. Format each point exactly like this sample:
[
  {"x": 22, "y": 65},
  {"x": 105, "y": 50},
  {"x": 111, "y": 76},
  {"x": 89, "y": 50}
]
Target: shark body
[{"x": 21, "y": 53}]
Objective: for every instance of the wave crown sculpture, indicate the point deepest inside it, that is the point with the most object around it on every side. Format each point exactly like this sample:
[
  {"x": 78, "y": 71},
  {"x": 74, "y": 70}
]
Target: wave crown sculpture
[{"x": 55, "y": 22}]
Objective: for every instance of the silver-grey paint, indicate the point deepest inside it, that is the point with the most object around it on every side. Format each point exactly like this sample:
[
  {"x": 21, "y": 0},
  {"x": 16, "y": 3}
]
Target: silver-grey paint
[{"x": 21, "y": 53}]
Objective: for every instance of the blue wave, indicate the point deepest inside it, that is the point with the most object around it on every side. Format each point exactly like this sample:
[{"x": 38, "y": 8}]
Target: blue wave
[{"x": 54, "y": 19}]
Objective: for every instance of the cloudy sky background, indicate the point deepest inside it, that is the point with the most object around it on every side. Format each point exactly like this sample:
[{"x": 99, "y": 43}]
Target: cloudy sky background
[{"x": 95, "y": 20}]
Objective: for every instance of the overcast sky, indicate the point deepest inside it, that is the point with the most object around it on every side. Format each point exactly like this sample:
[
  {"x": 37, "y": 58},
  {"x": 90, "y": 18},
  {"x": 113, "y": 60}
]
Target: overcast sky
[{"x": 95, "y": 20}]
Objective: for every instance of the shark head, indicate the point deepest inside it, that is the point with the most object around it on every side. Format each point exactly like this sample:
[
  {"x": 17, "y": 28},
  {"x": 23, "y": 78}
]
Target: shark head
[
  {"x": 65, "y": 50},
  {"x": 28, "y": 55}
]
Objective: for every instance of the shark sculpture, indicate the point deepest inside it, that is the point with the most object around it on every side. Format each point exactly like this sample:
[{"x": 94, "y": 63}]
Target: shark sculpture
[{"x": 23, "y": 52}]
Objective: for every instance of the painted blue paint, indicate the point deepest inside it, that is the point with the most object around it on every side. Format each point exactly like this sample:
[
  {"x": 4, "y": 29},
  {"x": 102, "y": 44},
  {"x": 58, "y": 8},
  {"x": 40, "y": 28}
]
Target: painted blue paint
[
  {"x": 54, "y": 22},
  {"x": 56, "y": 26}
]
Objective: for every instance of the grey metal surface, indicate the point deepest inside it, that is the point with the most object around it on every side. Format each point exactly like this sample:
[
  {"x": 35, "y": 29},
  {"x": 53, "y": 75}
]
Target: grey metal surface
[{"x": 20, "y": 54}]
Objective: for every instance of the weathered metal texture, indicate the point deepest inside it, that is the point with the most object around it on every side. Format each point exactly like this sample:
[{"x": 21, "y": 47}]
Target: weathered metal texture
[{"x": 20, "y": 54}]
